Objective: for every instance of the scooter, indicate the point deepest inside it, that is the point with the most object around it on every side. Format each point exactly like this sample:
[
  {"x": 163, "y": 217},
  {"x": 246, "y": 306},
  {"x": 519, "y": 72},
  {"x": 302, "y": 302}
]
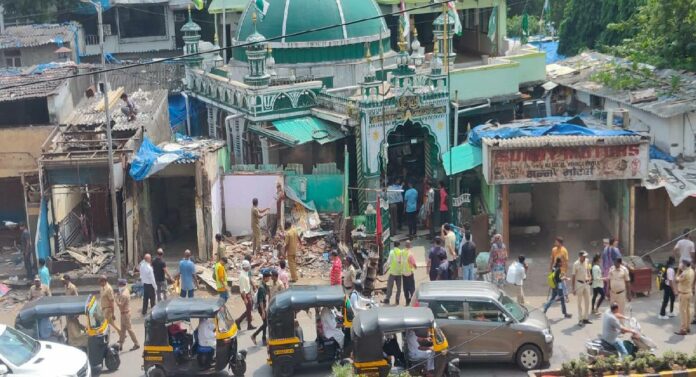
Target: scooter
[{"x": 596, "y": 348}]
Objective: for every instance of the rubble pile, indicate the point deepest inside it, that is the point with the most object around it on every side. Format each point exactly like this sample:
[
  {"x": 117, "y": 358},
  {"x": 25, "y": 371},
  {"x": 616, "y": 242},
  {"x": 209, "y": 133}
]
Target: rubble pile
[{"x": 94, "y": 258}]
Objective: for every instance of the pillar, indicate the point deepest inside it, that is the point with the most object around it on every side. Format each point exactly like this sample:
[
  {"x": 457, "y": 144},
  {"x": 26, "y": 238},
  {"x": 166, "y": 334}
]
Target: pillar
[{"x": 264, "y": 150}]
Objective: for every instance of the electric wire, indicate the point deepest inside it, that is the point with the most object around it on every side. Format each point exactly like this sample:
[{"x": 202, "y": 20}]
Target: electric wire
[{"x": 241, "y": 45}]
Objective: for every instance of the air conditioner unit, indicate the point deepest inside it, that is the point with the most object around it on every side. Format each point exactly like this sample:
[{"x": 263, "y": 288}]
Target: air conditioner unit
[{"x": 618, "y": 117}]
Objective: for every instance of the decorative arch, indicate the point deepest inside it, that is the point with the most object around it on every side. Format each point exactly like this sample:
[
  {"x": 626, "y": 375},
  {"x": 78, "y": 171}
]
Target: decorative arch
[
  {"x": 282, "y": 102},
  {"x": 306, "y": 99}
]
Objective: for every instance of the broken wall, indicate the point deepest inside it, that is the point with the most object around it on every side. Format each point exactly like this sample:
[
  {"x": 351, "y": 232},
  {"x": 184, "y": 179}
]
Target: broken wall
[
  {"x": 238, "y": 192},
  {"x": 325, "y": 190},
  {"x": 20, "y": 148}
]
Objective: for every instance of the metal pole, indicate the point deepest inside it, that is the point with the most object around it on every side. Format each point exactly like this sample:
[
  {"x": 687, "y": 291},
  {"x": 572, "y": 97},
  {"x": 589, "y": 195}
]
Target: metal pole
[
  {"x": 224, "y": 33},
  {"x": 109, "y": 146}
]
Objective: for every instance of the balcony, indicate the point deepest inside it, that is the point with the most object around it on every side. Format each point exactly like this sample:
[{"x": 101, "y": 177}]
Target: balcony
[{"x": 478, "y": 78}]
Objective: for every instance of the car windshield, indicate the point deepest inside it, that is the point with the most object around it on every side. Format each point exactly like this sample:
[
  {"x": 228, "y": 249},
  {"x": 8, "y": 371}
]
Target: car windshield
[
  {"x": 16, "y": 347},
  {"x": 516, "y": 310}
]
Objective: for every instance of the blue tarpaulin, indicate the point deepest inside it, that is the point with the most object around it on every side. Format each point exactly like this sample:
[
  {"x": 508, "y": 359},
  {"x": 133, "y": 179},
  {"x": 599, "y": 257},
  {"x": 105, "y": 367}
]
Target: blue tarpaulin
[
  {"x": 566, "y": 126},
  {"x": 657, "y": 154},
  {"x": 551, "y": 50},
  {"x": 150, "y": 159}
]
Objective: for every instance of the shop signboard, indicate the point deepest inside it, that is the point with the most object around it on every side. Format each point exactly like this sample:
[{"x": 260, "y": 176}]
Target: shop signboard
[{"x": 565, "y": 163}]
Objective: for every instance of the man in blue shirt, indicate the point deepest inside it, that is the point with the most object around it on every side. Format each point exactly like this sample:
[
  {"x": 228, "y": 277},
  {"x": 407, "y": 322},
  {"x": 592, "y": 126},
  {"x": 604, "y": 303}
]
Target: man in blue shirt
[
  {"x": 411, "y": 208},
  {"x": 44, "y": 275},
  {"x": 187, "y": 275}
]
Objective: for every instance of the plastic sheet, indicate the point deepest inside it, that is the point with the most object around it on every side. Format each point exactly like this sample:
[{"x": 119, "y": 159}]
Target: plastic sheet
[
  {"x": 567, "y": 126},
  {"x": 150, "y": 159}
]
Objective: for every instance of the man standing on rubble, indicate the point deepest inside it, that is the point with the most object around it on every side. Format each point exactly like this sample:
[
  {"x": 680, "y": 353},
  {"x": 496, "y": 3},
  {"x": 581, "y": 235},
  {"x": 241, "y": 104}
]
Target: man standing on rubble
[
  {"x": 220, "y": 272},
  {"x": 221, "y": 250},
  {"x": 256, "y": 216},
  {"x": 25, "y": 246},
  {"x": 292, "y": 240}
]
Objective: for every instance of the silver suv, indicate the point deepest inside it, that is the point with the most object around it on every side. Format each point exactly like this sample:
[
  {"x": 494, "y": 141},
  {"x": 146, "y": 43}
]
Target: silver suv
[{"x": 482, "y": 323}]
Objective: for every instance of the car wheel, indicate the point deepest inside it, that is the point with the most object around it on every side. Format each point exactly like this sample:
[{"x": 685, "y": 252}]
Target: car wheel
[
  {"x": 529, "y": 357},
  {"x": 112, "y": 360},
  {"x": 156, "y": 372}
]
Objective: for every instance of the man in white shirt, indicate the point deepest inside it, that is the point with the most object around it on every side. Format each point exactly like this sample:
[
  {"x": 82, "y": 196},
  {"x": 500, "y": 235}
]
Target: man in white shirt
[
  {"x": 330, "y": 327},
  {"x": 684, "y": 249},
  {"x": 416, "y": 352},
  {"x": 516, "y": 274},
  {"x": 147, "y": 276},
  {"x": 206, "y": 333},
  {"x": 450, "y": 246},
  {"x": 245, "y": 292}
]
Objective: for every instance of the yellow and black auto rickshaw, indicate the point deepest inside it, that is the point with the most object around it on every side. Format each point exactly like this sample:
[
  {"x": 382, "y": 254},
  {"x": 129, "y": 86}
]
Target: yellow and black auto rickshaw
[
  {"x": 73, "y": 320},
  {"x": 375, "y": 333},
  {"x": 287, "y": 349},
  {"x": 173, "y": 347}
]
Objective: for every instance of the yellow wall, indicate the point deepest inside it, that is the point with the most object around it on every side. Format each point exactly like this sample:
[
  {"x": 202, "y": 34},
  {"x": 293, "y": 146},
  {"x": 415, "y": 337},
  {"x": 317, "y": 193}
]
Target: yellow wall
[
  {"x": 20, "y": 148},
  {"x": 65, "y": 198}
]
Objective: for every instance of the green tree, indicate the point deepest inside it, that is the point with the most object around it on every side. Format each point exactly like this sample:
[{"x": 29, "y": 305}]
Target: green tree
[
  {"x": 534, "y": 8},
  {"x": 514, "y": 26},
  {"x": 584, "y": 24},
  {"x": 665, "y": 34},
  {"x": 37, "y": 11}
]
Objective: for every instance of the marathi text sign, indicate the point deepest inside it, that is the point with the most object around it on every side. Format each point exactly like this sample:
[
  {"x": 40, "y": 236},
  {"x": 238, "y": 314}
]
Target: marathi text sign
[{"x": 559, "y": 164}]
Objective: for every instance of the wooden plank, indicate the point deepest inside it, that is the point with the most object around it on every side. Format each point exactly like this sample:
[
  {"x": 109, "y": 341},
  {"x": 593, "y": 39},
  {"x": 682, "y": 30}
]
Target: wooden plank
[{"x": 114, "y": 95}]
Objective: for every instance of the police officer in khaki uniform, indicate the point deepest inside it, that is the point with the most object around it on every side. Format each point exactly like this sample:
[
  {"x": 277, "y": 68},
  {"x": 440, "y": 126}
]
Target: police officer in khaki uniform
[
  {"x": 70, "y": 288},
  {"x": 107, "y": 301},
  {"x": 581, "y": 287},
  {"x": 123, "y": 302},
  {"x": 38, "y": 290},
  {"x": 620, "y": 284}
]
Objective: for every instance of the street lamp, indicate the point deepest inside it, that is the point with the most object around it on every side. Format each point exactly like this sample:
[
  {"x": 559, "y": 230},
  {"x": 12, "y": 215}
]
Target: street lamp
[{"x": 105, "y": 91}]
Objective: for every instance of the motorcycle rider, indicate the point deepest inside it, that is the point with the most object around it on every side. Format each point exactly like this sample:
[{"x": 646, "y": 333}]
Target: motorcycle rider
[{"x": 612, "y": 328}]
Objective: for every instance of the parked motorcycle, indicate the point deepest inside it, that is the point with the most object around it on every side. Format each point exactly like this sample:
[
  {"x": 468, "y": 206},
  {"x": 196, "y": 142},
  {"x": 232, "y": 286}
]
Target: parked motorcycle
[{"x": 635, "y": 342}]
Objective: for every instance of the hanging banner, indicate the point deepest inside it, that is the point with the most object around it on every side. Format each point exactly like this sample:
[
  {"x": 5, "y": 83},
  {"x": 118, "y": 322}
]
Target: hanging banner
[{"x": 565, "y": 163}]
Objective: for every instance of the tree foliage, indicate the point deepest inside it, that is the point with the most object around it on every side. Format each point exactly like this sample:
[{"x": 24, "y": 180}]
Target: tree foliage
[
  {"x": 534, "y": 8},
  {"x": 665, "y": 34},
  {"x": 514, "y": 26},
  {"x": 585, "y": 24},
  {"x": 37, "y": 11}
]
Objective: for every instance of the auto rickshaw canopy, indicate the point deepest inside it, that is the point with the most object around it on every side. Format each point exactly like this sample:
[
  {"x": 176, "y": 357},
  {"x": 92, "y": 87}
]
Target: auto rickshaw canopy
[
  {"x": 369, "y": 327},
  {"x": 306, "y": 297},
  {"x": 179, "y": 309},
  {"x": 54, "y": 306}
]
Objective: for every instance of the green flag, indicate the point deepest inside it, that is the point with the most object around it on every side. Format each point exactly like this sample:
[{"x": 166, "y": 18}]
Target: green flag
[
  {"x": 199, "y": 4},
  {"x": 525, "y": 28},
  {"x": 262, "y": 6},
  {"x": 493, "y": 24}
]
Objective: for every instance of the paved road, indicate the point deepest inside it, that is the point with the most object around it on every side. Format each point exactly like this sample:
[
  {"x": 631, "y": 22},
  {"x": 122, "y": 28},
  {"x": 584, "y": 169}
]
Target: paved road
[{"x": 568, "y": 344}]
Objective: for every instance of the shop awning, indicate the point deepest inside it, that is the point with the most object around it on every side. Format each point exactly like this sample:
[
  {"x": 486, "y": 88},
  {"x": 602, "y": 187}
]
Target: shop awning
[
  {"x": 217, "y": 6},
  {"x": 298, "y": 131},
  {"x": 463, "y": 157}
]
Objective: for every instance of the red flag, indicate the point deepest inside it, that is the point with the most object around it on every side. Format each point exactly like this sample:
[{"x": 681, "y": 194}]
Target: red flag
[{"x": 378, "y": 228}]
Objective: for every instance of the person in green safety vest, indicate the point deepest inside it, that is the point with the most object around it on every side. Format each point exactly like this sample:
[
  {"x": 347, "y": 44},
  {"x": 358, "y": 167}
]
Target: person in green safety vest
[{"x": 394, "y": 268}]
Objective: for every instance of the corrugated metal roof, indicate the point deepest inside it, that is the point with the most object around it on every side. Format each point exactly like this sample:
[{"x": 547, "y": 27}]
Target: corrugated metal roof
[
  {"x": 147, "y": 103},
  {"x": 577, "y": 73},
  {"x": 38, "y": 35},
  {"x": 561, "y": 141},
  {"x": 13, "y": 77},
  {"x": 306, "y": 129}
]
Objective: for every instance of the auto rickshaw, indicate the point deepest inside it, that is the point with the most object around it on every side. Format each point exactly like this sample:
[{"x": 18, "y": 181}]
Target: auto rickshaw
[
  {"x": 375, "y": 332},
  {"x": 286, "y": 349},
  {"x": 170, "y": 349},
  {"x": 41, "y": 319}
]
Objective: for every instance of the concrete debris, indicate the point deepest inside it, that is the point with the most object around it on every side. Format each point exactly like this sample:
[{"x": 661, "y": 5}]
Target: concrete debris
[{"x": 92, "y": 258}]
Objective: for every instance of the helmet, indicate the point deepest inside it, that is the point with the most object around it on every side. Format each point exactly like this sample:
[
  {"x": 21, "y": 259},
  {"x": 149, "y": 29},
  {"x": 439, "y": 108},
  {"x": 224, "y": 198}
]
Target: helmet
[{"x": 357, "y": 285}]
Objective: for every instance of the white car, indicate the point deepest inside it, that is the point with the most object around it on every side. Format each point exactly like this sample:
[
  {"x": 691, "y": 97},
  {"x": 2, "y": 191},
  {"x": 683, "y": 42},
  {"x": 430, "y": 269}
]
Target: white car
[{"x": 22, "y": 356}]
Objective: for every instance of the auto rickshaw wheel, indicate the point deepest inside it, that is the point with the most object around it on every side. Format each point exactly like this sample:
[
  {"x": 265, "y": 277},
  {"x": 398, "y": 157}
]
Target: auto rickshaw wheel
[
  {"x": 239, "y": 368},
  {"x": 112, "y": 360},
  {"x": 283, "y": 366},
  {"x": 156, "y": 372}
]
